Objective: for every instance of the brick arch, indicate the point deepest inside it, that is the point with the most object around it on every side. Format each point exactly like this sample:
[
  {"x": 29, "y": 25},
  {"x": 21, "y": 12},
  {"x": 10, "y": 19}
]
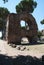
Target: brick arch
[
  {"x": 29, "y": 19},
  {"x": 15, "y": 33}
]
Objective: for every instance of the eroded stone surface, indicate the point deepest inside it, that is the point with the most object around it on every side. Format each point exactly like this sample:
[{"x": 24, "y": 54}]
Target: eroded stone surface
[{"x": 14, "y": 32}]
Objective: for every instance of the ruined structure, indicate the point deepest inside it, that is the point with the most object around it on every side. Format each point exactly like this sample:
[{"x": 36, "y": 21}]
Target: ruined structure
[{"x": 14, "y": 30}]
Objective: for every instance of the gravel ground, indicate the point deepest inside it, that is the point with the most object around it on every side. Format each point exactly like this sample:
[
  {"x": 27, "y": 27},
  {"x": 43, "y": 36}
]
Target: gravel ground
[
  {"x": 7, "y": 53},
  {"x": 34, "y": 50}
]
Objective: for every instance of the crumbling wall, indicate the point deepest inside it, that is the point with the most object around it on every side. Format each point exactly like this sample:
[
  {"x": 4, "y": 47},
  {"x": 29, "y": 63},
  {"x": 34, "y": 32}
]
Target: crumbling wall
[{"x": 14, "y": 32}]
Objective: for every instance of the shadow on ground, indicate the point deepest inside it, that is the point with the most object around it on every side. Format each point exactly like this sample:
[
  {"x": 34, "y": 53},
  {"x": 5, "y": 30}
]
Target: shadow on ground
[
  {"x": 21, "y": 60},
  {"x": 35, "y": 43}
]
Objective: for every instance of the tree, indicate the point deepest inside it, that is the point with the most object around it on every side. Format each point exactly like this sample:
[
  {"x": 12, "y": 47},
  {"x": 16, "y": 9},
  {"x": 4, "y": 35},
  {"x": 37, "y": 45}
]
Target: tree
[
  {"x": 39, "y": 34},
  {"x": 5, "y": 1},
  {"x": 3, "y": 12},
  {"x": 3, "y": 15},
  {"x": 26, "y": 6},
  {"x": 42, "y": 22}
]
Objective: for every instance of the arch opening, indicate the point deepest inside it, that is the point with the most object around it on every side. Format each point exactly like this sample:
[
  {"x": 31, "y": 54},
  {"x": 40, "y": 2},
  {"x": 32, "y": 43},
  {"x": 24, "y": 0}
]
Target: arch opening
[
  {"x": 24, "y": 25},
  {"x": 24, "y": 40}
]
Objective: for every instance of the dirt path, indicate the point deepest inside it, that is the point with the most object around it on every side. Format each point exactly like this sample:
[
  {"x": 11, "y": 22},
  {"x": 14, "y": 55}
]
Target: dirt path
[
  {"x": 2, "y": 47},
  {"x": 6, "y": 52},
  {"x": 3, "y": 52},
  {"x": 9, "y": 51}
]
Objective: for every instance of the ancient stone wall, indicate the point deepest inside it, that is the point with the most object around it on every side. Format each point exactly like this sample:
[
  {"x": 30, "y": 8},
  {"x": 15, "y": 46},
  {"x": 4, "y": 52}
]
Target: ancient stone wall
[{"x": 14, "y": 32}]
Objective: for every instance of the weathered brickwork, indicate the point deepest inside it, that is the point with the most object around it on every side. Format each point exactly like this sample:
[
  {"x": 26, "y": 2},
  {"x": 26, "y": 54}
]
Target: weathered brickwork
[{"x": 14, "y": 32}]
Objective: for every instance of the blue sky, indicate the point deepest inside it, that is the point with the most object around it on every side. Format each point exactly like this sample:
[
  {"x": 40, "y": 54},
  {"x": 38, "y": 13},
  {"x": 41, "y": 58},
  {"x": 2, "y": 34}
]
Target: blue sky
[{"x": 38, "y": 12}]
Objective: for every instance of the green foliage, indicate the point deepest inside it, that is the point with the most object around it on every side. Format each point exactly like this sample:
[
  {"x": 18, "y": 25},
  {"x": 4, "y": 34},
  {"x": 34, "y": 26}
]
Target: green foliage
[
  {"x": 39, "y": 34},
  {"x": 2, "y": 24},
  {"x": 3, "y": 12},
  {"x": 3, "y": 15},
  {"x": 26, "y": 6},
  {"x": 5, "y": 1},
  {"x": 42, "y": 22}
]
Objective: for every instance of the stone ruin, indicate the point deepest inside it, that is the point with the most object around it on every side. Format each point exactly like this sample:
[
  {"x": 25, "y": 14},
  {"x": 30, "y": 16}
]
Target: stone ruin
[{"x": 14, "y": 31}]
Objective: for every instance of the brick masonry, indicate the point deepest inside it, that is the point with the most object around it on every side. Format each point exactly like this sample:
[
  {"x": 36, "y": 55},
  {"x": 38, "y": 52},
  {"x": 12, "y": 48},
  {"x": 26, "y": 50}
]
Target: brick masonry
[{"x": 14, "y": 32}]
